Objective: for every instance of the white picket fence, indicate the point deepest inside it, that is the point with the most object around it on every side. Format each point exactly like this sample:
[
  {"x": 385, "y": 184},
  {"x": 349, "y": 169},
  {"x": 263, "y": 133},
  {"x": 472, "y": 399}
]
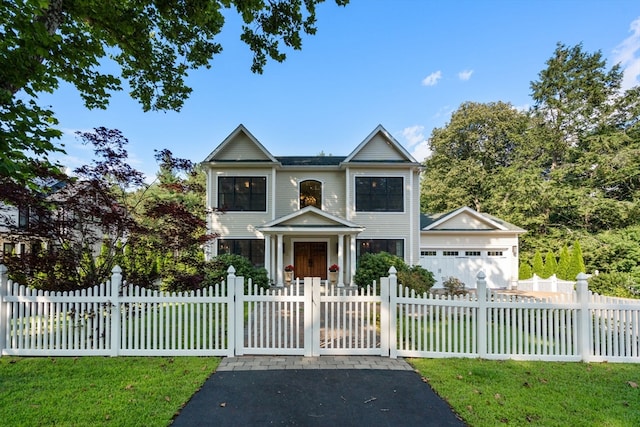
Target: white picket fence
[
  {"x": 312, "y": 318},
  {"x": 550, "y": 284}
]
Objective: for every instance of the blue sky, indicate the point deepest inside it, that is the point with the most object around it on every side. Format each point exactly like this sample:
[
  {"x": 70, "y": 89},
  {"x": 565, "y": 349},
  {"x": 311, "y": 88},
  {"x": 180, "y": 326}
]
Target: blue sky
[{"x": 405, "y": 64}]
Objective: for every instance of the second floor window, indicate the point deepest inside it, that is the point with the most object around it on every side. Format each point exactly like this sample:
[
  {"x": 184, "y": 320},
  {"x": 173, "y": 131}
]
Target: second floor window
[
  {"x": 311, "y": 194},
  {"x": 379, "y": 194},
  {"x": 242, "y": 193}
]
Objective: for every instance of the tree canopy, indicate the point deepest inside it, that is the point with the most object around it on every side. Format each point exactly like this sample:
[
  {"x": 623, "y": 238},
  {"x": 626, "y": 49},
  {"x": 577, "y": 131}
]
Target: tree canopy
[
  {"x": 154, "y": 45},
  {"x": 567, "y": 170}
]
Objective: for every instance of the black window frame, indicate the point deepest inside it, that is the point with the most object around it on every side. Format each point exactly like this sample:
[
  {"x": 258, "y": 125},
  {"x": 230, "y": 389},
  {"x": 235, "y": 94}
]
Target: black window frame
[
  {"x": 379, "y": 193},
  {"x": 252, "y": 249},
  {"x": 242, "y": 193},
  {"x": 374, "y": 246}
]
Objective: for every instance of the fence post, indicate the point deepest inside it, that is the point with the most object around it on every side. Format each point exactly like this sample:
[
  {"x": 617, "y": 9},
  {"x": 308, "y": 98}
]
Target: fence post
[
  {"x": 584, "y": 323},
  {"x": 388, "y": 310},
  {"x": 4, "y": 312},
  {"x": 481, "y": 295},
  {"x": 230, "y": 294},
  {"x": 116, "y": 330},
  {"x": 312, "y": 340},
  {"x": 237, "y": 286}
]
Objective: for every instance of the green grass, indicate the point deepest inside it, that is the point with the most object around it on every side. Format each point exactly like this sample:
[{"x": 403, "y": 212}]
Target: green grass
[
  {"x": 490, "y": 393},
  {"x": 98, "y": 391}
]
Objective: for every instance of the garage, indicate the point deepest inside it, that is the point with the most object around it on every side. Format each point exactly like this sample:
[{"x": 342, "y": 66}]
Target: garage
[{"x": 464, "y": 242}]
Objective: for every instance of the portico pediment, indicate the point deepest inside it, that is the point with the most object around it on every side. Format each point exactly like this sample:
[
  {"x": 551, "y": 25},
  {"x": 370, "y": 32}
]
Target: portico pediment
[{"x": 311, "y": 219}]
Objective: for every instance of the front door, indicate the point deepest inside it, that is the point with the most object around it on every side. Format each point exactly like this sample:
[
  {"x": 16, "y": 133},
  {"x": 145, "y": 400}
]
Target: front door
[{"x": 310, "y": 259}]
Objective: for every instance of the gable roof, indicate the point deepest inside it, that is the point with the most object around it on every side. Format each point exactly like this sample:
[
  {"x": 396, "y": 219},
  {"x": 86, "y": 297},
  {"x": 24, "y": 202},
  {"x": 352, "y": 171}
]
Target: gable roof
[
  {"x": 310, "y": 219},
  {"x": 467, "y": 220},
  {"x": 240, "y": 145},
  {"x": 380, "y": 146}
]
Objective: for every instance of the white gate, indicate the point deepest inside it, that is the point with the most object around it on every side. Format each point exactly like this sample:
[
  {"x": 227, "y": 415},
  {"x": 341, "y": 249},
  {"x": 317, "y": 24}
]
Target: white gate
[{"x": 310, "y": 318}]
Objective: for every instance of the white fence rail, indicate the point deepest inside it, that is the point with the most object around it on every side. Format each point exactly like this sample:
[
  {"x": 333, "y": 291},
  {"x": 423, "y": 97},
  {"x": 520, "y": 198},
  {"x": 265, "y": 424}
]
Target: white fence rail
[
  {"x": 311, "y": 318},
  {"x": 550, "y": 284}
]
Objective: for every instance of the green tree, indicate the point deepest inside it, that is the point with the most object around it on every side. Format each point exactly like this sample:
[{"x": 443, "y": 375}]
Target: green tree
[
  {"x": 538, "y": 264},
  {"x": 153, "y": 46},
  {"x": 524, "y": 271},
  {"x": 576, "y": 265},
  {"x": 468, "y": 153},
  {"x": 562, "y": 271},
  {"x": 572, "y": 96},
  {"x": 550, "y": 265}
]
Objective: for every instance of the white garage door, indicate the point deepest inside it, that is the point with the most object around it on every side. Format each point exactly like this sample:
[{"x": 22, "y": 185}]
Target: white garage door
[{"x": 465, "y": 264}]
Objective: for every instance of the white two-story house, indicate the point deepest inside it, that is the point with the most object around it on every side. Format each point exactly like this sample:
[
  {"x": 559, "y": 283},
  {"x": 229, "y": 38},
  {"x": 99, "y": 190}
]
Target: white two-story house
[{"x": 313, "y": 211}]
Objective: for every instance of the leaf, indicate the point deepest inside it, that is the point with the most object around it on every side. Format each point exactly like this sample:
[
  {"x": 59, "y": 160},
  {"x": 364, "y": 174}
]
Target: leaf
[
  {"x": 632, "y": 384},
  {"x": 167, "y": 398}
]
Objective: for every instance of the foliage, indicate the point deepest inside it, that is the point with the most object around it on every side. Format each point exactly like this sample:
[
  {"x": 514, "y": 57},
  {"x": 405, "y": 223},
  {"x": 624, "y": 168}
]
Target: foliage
[
  {"x": 216, "y": 270},
  {"x": 417, "y": 278},
  {"x": 566, "y": 170},
  {"x": 371, "y": 267},
  {"x": 562, "y": 271},
  {"x": 524, "y": 271},
  {"x": 550, "y": 265},
  {"x": 538, "y": 264},
  {"x": 454, "y": 286},
  {"x": 151, "y": 46},
  {"x": 99, "y": 391},
  {"x": 615, "y": 284},
  {"x": 576, "y": 264},
  {"x": 107, "y": 214}
]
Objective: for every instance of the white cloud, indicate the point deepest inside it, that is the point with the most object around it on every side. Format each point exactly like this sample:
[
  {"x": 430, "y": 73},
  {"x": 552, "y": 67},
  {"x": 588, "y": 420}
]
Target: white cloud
[
  {"x": 465, "y": 75},
  {"x": 432, "y": 79},
  {"x": 416, "y": 141},
  {"x": 627, "y": 54}
]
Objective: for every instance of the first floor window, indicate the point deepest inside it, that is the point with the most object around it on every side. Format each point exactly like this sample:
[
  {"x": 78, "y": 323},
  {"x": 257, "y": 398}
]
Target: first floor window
[
  {"x": 373, "y": 246},
  {"x": 252, "y": 249}
]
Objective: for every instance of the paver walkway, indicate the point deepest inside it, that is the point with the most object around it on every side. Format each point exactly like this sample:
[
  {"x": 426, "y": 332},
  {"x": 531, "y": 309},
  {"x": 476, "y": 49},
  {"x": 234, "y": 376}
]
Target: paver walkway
[{"x": 264, "y": 363}]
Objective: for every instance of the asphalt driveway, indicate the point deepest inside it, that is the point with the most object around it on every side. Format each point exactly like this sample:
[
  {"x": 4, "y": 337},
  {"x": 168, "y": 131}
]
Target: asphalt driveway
[{"x": 316, "y": 397}]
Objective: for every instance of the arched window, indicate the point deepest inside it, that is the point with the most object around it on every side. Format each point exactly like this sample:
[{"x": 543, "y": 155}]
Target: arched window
[{"x": 311, "y": 193}]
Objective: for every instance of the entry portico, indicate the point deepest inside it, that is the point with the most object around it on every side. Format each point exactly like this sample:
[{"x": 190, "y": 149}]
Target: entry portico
[{"x": 311, "y": 240}]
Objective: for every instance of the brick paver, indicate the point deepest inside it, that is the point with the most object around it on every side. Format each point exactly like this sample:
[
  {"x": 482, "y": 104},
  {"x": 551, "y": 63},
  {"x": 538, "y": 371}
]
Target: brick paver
[{"x": 263, "y": 363}]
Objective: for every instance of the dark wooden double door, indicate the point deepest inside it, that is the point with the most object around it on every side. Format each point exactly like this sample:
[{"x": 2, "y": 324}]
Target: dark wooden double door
[{"x": 310, "y": 259}]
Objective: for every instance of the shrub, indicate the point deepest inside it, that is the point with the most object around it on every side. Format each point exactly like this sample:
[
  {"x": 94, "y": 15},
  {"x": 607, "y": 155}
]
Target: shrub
[
  {"x": 417, "y": 278},
  {"x": 371, "y": 267},
  {"x": 215, "y": 271},
  {"x": 454, "y": 286},
  {"x": 615, "y": 284},
  {"x": 525, "y": 272}
]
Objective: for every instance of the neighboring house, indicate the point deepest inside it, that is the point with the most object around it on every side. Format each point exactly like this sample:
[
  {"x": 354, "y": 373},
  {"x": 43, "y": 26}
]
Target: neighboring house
[
  {"x": 25, "y": 228},
  {"x": 315, "y": 211},
  {"x": 14, "y": 229},
  {"x": 464, "y": 242}
]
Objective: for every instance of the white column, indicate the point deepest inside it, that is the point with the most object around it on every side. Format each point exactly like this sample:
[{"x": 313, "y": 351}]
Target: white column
[
  {"x": 352, "y": 259},
  {"x": 279, "y": 261},
  {"x": 340, "y": 260},
  {"x": 267, "y": 256}
]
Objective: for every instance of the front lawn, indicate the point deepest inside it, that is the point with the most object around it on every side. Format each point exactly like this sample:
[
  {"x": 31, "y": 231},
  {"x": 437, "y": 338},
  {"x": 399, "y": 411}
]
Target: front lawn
[
  {"x": 98, "y": 391},
  {"x": 491, "y": 393}
]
